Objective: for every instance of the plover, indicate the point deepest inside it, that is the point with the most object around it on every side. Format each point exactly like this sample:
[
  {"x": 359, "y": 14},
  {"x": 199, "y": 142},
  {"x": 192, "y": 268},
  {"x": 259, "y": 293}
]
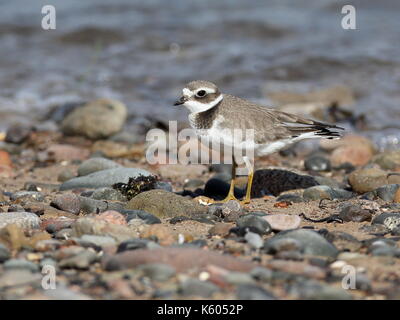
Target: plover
[{"x": 216, "y": 116}]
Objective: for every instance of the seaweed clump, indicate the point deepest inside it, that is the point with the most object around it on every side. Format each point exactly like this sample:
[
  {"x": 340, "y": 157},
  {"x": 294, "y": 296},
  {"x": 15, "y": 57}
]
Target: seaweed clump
[{"x": 136, "y": 185}]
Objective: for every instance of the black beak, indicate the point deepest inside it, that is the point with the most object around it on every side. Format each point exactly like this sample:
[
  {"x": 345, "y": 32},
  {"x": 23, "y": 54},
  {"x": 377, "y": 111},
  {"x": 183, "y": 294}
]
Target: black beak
[{"x": 182, "y": 100}]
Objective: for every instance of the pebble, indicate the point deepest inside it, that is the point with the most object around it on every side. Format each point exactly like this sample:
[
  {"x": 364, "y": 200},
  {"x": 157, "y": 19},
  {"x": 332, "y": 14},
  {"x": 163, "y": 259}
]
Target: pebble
[
  {"x": 254, "y": 240},
  {"x": 262, "y": 274},
  {"x": 326, "y": 192},
  {"x": 134, "y": 244},
  {"x": 102, "y": 228},
  {"x": 4, "y": 253},
  {"x": 89, "y": 205},
  {"x": 391, "y": 220},
  {"x": 65, "y": 175},
  {"x": 238, "y": 278},
  {"x": 283, "y": 244},
  {"x": 255, "y": 224},
  {"x": 317, "y": 163},
  {"x": 17, "y": 134},
  {"x": 365, "y": 180},
  {"x": 290, "y": 197},
  {"x": 108, "y": 194},
  {"x": 182, "y": 259},
  {"x": 97, "y": 119},
  {"x": 67, "y": 202},
  {"x": 96, "y": 164},
  {"x": 165, "y": 204},
  {"x": 343, "y": 241},
  {"x": 27, "y": 195},
  {"x": 355, "y": 213},
  {"x": 82, "y": 260},
  {"x": 148, "y": 218},
  {"x": 160, "y": 232},
  {"x": 103, "y": 178},
  {"x": 231, "y": 210},
  {"x": 280, "y": 222},
  {"x": 22, "y": 219},
  {"x": 312, "y": 243},
  {"x": 253, "y": 292},
  {"x": 195, "y": 287},
  {"x": 157, "y": 271},
  {"x": 220, "y": 229},
  {"x": 112, "y": 217},
  {"x": 19, "y": 277},
  {"x": 313, "y": 290},
  {"x": 63, "y": 152},
  {"x": 389, "y": 160},
  {"x": 387, "y": 192},
  {"x": 101, "y": 241},
  {"x": 20, "y": 264}
]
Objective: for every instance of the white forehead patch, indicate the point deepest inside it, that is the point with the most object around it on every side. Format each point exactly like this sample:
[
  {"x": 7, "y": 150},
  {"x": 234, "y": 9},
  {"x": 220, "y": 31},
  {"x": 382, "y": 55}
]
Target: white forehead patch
[{"x": 189, "y": 93}]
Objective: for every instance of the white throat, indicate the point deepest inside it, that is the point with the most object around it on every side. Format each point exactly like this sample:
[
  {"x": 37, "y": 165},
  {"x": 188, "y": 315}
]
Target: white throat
[{"x": 195, "y": 106}]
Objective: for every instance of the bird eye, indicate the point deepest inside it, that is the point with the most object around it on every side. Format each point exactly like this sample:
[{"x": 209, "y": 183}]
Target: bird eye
[{"x": 201, "y": 93}]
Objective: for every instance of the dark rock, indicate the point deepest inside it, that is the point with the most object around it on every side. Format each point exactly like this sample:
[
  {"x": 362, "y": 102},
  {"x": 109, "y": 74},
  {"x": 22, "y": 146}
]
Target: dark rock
[
  {"x": 355, "y": 213},
  {"x": 290, "y": 198},
  {"x": 134, "y": 244},
  {"x": 258, "y": 224},
  {"x": 148, "y": 218},
  {"x": 4, "y": 253},
  {"x": 325, "y": 192},
  {"x": 27, "y": 195},
  {"x": 275, "y": 181},
  {"x": 17, "y": 134}
]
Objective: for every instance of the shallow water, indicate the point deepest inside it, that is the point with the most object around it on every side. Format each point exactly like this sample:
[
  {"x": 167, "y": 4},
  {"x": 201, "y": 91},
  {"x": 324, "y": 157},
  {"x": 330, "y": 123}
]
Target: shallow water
[{"x": 143, "y": 52}]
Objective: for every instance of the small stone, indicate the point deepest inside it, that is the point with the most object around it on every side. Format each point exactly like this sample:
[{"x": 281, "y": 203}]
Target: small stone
[
  {"x": 159, "y": 232},
  {"x": 102, "y": 228},
  {"x": 391, "y": 220},
  {"x": 67, "y": 202},
  {"x": 312, "y": 243},
  {"x": 96, "y": 164},
  {"x": 134, "y": 244},
  {"x": 387, "y": 192},
  {"x": 253, "y": 292},
  {"x": 312, "y": 290},
  {"x": 89, "y": 205},
  {"x": 27, "y": 195},
  {"x": 65, "y": 175},
  {"x": 101, "y": 241},
  {"x": 254, "y": 240},
  {"x": 290, "y": 198},
  {"x": 165, "y": 204},
  {"x": 238, "y": 278},
  {"x": 19, "y": 277},
  {"x": 148, "y": 218},
  {"x": 63, "y": 152},
  {"x": 17, "y": 134},
  {"x": 355, "y": 213},
  {"x": 112, "y": 217},
  {"x": 261, "y": 274},
  {"x": 96, "y": 120},
  {"x": 365, "y": 180},
  {"x": 220, "y": 229},
  {"x": 357, "y": 155},
  {"x": 181, "y": 259},
  {"x": 195, "y": 287},
  {"x": 280, "y": 222},
  {"x": 254, "y": 223},
  {"x": 108, "y": 194},
  {"x": 20, "y": 264},
  {"x": 317, "y": 163},
  {"x": 22, "y": 219},
  {"x": 103, "y": 178},
  {"x": 82, "y": 260},
  {"x": 157, "y": 271},
  {"x": 389, "y": 160},
  {"x": 4, "y": 253},
  {"x": 284, "y": 244},
  {"x": 231, "y": 210},
  {"x": 326, "y": 192}
]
